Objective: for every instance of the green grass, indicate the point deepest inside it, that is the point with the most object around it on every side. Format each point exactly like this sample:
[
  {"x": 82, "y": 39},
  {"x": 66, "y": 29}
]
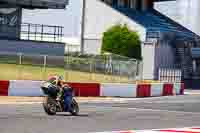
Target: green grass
[
  {"x": 94, "y": 77},
  {"x": 29, "y": 72}
]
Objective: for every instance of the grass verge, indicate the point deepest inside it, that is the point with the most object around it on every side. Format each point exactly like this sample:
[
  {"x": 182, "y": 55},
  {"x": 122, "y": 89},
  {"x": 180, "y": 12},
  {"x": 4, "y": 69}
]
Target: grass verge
[{"x": 29, "y": 72}]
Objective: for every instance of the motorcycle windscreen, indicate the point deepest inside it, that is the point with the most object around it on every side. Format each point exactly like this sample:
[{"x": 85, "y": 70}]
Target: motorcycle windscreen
[{"x": 49, "y": 89}]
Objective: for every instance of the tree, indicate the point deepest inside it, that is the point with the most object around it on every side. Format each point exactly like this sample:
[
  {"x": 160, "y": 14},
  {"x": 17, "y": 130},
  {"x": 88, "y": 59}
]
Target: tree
[{"x": 120, "y": 40}]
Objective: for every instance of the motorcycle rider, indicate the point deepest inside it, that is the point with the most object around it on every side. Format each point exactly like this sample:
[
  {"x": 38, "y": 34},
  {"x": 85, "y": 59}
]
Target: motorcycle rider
[{"x": 64, "y": 90}]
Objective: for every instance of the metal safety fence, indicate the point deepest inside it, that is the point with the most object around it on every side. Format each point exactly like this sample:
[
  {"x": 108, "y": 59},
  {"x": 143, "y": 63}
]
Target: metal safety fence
[
  {"x": 170, "y": 74},
  {"x": 33, "y": 32},
  {"x": 40, "y": 32},
  {"x": 107, "y": 68}
]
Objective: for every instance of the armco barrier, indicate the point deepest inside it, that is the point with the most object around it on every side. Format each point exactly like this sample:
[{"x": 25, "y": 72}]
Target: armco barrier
[
  {"x": 120, "y": 90},
  {"x": 32, "y": 88},
  {"x": 4, "y": 88}
]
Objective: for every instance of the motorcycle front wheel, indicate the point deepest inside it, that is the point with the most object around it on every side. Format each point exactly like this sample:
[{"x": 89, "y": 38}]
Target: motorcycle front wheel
[{"x": 49, "y": 105}]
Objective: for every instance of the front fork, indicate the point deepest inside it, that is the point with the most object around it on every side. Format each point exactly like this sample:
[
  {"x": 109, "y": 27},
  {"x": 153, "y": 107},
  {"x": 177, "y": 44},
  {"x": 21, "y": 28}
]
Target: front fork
[{"x": 60, "y": 107}]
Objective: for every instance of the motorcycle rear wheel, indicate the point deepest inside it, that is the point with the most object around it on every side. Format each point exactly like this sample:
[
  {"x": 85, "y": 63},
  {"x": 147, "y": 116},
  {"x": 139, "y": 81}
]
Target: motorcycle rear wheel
[{"x": 74, "y": 108}]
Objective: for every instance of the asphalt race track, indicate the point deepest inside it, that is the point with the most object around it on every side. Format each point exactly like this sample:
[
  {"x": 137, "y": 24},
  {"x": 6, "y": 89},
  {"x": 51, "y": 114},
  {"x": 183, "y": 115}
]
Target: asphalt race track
[{"x": 147, "y": 113}]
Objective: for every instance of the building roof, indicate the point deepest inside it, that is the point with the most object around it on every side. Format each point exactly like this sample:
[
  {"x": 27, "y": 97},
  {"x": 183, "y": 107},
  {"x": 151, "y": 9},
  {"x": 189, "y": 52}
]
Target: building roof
[
  {"x": 195, "y": 52},
  {"x": 40, "y": 4}
]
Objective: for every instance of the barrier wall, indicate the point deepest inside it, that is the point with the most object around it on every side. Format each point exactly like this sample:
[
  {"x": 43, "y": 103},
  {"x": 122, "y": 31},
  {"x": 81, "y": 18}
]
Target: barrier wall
[
  {"x": 118, "y": 90},
  {"x": 24, "y": 88},
  {"x": 177, "y": 88},
  {"x": 182, "y": 88},
  {"x": 155, "y": 89},
  {"x": 168, "y": 89},
  {"x": 143, "y": 90},
  {"x": 4, "y": 88},
  {"x": 86, "y": 89},
  {"x": 32, "y": 88}
]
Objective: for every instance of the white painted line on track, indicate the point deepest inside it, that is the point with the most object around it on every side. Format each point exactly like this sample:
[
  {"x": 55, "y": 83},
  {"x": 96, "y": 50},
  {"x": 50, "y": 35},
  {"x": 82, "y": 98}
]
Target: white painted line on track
[
  {"x": 179, "y": 129},
  {"x": 141, "y": 109},
  {"x": 110, "y": 100},
  {"x": 19, "y": 103}
]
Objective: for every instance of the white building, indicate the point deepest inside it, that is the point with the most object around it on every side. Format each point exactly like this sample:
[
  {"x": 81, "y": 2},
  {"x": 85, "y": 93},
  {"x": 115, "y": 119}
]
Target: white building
[
  {"x": 185, "y": 12},
  {"x": 162, "y": 38},
  {"x": 166, "y": 43}
]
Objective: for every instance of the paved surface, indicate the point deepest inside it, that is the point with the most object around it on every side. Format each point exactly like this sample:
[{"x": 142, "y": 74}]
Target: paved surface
[
  {"x": 134, "y": 114},
  {"x": 192, "y": 91},
  {"x": 30, "y": 100}
]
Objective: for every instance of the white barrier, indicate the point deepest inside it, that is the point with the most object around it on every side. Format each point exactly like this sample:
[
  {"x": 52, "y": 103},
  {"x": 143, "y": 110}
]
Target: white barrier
[
  {"x": 118, "y": 90},
  {"x": 24, "y": 88},
  {"x": 156, "y": 89},
  {"x": 177, "y": 88},
  {"x": 32, "y": 88}
]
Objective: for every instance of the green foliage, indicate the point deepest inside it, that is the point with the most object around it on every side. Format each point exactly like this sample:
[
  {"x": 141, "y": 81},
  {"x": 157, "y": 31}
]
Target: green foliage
[{"x": 120, "y": 40}]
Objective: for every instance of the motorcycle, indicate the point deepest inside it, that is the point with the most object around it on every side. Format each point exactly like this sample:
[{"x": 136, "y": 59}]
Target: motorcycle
[{"x": 51, "y": 105}]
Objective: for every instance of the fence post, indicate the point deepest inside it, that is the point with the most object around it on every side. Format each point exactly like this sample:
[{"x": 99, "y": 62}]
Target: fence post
[
  {"x": 20, "y": 65},
  {"x": 42, "y": 30},
  {"x": 20, "y": 58},
  {"x": 111, "y": 67},
  {"x": 54, "y": 35},
  {"x": 44, "y": 66},
  {"x": 35, "y": 32},
  {"x": 91, "y": 77},
  {"x": 28, "y": 31},
  {"x": 120, "y": 71},
  {"x": 45, "y": 60},
  {"x": 66, "y": 68}
]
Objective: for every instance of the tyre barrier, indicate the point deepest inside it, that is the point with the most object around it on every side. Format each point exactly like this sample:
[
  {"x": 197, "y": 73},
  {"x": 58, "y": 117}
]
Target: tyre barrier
[{"x": 32, "y": 88}]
